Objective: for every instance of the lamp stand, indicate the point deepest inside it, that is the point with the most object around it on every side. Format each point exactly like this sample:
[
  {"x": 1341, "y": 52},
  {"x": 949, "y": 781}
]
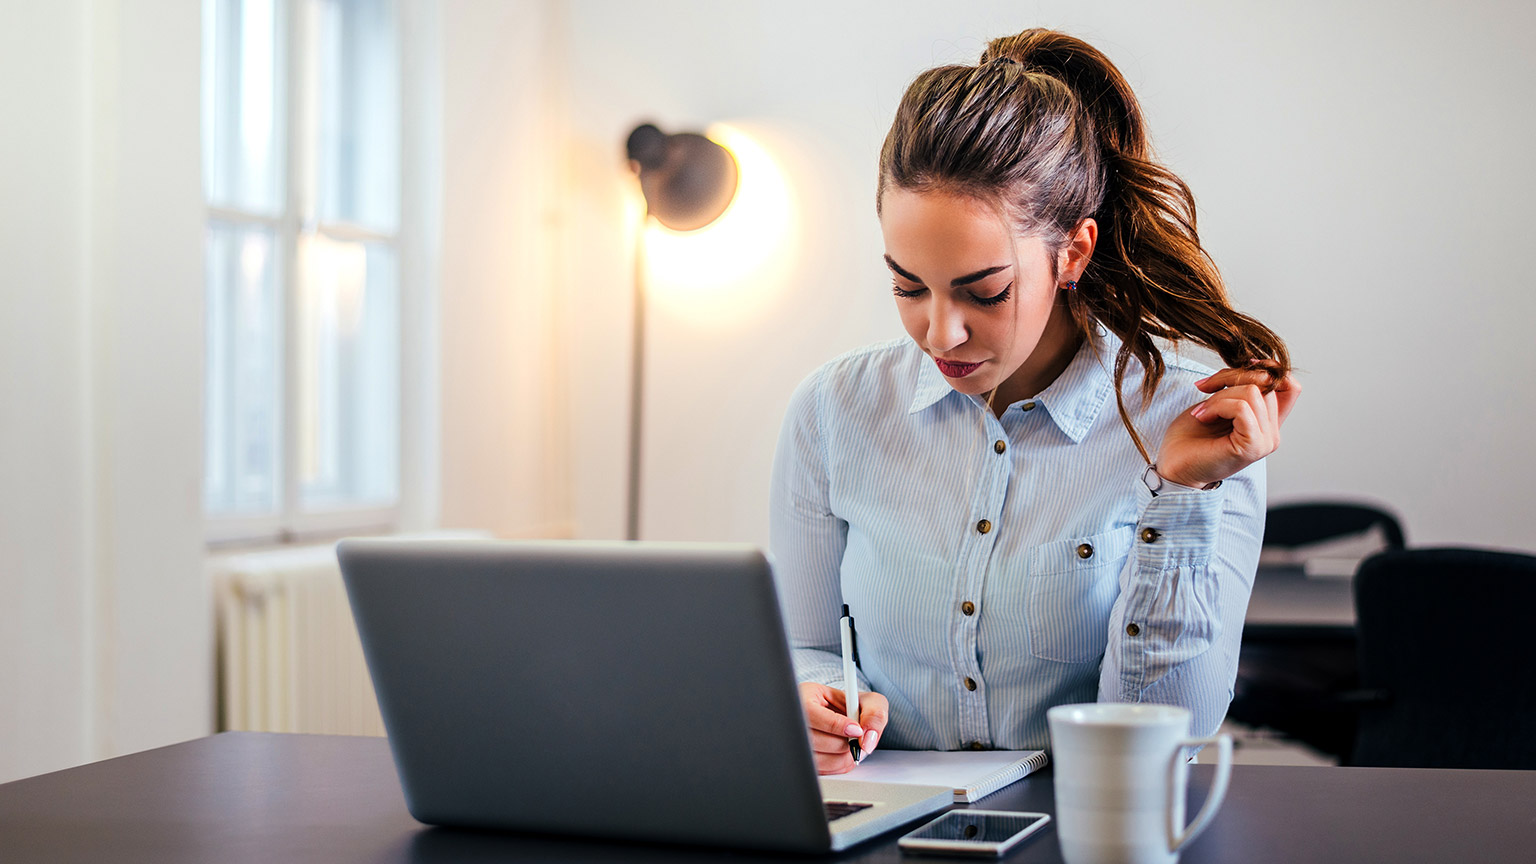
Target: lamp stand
[{"x": 637, "y": 385}]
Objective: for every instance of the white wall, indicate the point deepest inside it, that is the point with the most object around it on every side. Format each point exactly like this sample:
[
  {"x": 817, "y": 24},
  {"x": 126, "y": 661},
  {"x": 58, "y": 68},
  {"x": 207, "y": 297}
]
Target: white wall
[
  {"x": 153, "y": 627},
  {"x": 105, "y": 639},
  {"x": 44, "y": 532},
  {"x": 1361, "y": 170},
  {"x": 504, "y": 445},
  {"x": 421, "y": 224}
]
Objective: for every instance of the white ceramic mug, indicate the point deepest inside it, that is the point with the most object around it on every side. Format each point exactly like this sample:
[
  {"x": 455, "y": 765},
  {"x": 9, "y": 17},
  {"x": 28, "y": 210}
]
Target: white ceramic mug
[{"x": 1120, "y": 773}]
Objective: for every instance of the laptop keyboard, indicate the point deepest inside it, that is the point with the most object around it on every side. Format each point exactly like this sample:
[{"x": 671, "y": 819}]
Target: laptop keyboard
[{"x": 838, "y": 809}]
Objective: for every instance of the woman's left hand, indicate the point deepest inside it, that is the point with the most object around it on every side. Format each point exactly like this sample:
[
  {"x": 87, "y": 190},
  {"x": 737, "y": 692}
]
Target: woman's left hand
[{"x": 1236, "y": 427}]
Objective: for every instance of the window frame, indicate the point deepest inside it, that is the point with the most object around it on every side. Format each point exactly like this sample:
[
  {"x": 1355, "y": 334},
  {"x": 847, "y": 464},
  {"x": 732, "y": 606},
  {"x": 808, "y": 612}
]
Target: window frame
[{"x": 298, "y": 98}]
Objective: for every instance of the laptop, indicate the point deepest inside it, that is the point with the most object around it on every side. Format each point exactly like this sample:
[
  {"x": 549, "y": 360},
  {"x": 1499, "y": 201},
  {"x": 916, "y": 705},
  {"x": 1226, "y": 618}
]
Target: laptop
[{"x": 603, "y": 689}]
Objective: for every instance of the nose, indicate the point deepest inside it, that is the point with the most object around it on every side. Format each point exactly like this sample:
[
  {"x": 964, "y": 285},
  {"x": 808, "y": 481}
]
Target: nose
[{"x": 946, "y": 326}]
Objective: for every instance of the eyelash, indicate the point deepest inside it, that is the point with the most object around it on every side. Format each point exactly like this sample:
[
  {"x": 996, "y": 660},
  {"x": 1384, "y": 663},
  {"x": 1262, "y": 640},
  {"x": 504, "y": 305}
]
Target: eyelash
[{"x": 995, "y": 300}]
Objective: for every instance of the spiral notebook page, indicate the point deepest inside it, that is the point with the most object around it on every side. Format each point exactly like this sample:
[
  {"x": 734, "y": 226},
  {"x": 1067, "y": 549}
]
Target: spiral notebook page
[{"x": 971, "y": 773}]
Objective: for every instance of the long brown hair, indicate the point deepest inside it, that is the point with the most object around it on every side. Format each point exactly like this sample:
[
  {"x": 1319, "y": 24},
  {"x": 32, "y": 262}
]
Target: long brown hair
[{"x": 1046, "y": 126}]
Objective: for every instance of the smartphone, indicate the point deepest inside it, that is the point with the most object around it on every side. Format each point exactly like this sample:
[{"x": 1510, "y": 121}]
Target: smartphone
[{"x": 986, "y": 833}]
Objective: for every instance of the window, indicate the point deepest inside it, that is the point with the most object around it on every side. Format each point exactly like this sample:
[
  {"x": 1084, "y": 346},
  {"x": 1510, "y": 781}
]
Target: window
[{"x": 302, "y": 178}]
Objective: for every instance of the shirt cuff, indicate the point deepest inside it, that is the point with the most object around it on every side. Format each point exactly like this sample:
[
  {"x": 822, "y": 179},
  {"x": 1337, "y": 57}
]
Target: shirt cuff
[
  {"x": 1179, "y": 526},
  {"x": 1170, "y": 486}
]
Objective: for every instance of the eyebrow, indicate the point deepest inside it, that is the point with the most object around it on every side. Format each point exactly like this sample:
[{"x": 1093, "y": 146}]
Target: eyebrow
[{"x": 958, "y": 282}]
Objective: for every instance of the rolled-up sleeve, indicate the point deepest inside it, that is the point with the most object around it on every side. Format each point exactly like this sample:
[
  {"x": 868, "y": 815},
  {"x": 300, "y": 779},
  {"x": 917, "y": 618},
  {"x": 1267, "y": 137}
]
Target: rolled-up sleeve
[{"x": 1176, "y": 627}]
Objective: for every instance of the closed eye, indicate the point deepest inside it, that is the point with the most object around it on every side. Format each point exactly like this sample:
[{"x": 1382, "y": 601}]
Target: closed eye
[{"x": 996, "y": 299}]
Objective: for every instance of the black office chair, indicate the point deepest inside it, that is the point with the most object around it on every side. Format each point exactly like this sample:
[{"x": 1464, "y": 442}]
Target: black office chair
[
  {"x": 1298, "y": 682},
  {"x": 1289, "y": 526},
  {"x": 1447, "y": 656}
]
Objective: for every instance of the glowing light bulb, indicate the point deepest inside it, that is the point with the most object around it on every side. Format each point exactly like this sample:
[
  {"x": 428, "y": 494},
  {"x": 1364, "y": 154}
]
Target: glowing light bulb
[{"x": 731, "y": 269}]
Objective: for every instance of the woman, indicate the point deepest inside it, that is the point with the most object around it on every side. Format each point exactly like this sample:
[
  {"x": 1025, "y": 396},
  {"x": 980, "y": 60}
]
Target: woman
[{"x": 981, "y": 495}]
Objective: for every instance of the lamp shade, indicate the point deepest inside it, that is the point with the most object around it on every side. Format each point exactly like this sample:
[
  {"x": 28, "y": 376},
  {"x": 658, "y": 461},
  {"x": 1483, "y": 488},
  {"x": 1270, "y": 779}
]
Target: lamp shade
[{"x": 687, "y": 179}]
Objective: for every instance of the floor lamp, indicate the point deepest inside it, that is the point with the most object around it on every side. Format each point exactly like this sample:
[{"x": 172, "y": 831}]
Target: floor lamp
[{"x": 688, "y": 181}]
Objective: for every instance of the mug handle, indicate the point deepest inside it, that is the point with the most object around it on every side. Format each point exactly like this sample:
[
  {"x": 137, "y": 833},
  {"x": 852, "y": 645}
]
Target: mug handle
[{"x": 1176, "y": 837}]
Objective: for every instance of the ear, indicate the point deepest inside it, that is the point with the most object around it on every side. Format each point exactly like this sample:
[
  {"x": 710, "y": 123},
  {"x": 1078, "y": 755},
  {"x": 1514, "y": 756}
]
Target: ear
[{"x": 1073, "y": 258}]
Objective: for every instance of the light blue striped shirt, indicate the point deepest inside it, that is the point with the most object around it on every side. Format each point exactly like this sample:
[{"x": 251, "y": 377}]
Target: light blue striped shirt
[{"x": 882, "y": 481}]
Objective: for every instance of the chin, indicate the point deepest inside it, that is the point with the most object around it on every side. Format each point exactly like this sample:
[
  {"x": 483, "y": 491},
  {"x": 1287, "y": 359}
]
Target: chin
[{"x": 970, "y": 386}]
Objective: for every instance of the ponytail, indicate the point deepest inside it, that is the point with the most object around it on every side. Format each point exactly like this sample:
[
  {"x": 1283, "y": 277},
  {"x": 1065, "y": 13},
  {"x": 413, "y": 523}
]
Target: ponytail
[{"x": 1049, "y": 125}]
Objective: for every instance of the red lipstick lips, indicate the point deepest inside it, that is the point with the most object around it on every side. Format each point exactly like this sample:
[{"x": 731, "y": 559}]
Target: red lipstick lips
[{"x": 956, "y": 370}]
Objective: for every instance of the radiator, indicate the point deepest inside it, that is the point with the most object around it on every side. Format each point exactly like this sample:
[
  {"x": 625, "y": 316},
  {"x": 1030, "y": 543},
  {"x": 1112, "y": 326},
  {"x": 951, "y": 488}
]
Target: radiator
[{"x": 289, "y": 656}]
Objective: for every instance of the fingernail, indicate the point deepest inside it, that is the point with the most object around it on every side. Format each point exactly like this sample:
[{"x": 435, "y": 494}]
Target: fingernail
[
  {"x": 1203, "y": 380},
  {"x": 870, "y": 738},
  {"x": 853, "y": 730},
  {"x": 1198, "y": 410}
]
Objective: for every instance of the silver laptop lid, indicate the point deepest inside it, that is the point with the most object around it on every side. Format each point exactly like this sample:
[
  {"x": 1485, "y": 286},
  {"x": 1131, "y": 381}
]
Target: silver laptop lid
[{"x": 632, "y": 690}]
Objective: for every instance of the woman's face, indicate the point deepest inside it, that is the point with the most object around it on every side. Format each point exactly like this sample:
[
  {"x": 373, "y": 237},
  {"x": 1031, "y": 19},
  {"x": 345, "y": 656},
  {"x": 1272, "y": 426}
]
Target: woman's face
[{"x": 974, "y": 297}]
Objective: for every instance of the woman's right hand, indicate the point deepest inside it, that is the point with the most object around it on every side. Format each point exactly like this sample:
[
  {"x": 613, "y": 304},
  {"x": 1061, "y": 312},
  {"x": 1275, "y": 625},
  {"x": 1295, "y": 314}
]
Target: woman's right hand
[{"x": 831, "y": 728}]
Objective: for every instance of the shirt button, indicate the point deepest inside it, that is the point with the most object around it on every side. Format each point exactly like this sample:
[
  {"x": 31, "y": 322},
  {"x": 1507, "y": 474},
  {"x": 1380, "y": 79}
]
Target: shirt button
[
  {"x": 1027, "y": 406},
  {"x": 1132, "y": 630},
  {"x": 970, "y": 684},
  {"x": 984, "y": 526},
  {"x": 977, "y": 745},
  {"x": 1149, "y": 535},
  {"x": 1085, "y": 551},
  {"x": 968, "y": 608},
  {"x": 1000, "y": 446}
]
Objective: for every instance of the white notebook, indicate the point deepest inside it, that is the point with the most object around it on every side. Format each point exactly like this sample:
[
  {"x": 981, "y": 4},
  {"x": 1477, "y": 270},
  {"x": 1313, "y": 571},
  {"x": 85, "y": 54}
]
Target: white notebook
[{"x": 972, "y": 774}]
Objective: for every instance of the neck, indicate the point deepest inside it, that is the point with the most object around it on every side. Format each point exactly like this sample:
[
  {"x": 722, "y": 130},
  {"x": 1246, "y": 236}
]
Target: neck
[{"x": 1058, "y": 345}]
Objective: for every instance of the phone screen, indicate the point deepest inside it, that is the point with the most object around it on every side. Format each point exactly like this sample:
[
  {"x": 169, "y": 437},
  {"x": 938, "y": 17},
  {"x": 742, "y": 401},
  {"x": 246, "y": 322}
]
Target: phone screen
[{"x": 972, "y": 827}]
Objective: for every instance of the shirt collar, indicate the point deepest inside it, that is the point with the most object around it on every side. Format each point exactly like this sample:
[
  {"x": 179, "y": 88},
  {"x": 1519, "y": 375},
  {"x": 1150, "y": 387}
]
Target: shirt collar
[
  {"x": 1075, "y": 398},
  {"x": 1072, "y": 401},
  {"x": 931, "y": 386}
]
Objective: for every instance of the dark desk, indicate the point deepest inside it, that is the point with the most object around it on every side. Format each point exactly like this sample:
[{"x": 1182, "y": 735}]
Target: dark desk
[{"x": 253, "y": 797}]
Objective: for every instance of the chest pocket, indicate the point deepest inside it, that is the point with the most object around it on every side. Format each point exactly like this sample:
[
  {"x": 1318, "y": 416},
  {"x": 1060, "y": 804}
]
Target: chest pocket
[{"x": 1072, "y": 586}]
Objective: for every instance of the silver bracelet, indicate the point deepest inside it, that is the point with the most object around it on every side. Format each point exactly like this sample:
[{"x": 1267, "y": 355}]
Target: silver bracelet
[{"x": 1155, "y": 481}]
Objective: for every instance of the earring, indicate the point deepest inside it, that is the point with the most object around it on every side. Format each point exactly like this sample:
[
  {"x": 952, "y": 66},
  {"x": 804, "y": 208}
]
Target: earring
[{"x": 1071, "y": 285}]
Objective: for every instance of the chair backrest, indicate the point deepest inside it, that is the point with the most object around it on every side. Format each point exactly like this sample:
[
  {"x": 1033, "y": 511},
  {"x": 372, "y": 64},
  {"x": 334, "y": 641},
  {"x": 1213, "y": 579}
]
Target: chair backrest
[
  {"x": 1303, "y": 523},
  {"x": 1442, "y": 636}
]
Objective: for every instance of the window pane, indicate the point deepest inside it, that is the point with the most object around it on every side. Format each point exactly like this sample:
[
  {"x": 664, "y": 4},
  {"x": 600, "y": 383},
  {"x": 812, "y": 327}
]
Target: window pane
[
  {"x": 244, "y": 372},
  {"x": 359, "y": 122},
  {"x": 349, "y": 377},
  {"x": 242, "y": 80}
]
